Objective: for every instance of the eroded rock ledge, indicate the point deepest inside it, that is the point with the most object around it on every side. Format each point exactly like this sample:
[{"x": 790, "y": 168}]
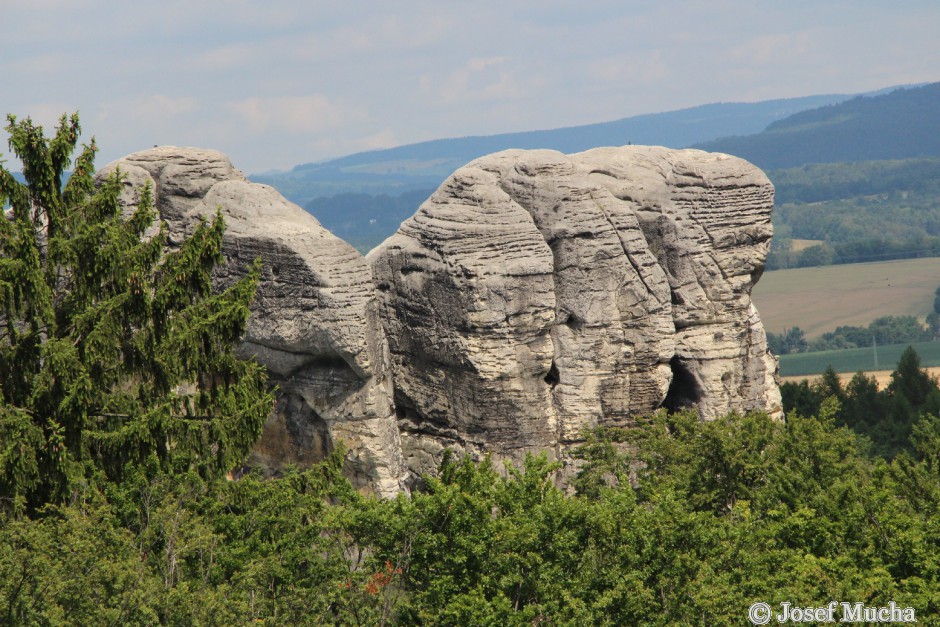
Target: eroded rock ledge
[
  {"x": 536, "y": 294},
  {"x": 533, "y": 295}
]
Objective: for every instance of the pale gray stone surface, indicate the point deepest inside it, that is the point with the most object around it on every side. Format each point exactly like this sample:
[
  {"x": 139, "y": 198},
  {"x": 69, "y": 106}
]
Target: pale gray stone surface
[
  {"x": 537, "y": 294},
  {"x": 532, "y": 296},
  {"x": 314, "y": 321},
  {"x": 707, "y": 216}
]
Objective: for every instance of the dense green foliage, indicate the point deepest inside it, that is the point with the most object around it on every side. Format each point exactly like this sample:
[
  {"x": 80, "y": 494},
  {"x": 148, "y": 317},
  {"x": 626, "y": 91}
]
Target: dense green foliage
[
  {"x": 884, "y": 417},
  {"x": 720, "y": 515},
  {"x": 113, "y": 354},
  {"x": 884, "y": 330}
]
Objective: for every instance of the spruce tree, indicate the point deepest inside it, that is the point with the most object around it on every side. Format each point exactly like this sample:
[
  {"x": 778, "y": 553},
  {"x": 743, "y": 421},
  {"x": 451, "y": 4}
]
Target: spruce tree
[{"x": 114, "y": 353}]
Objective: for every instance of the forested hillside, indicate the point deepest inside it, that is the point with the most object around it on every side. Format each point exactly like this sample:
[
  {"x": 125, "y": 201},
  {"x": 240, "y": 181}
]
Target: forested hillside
[
  {"x": 860, "y": 211},
  {"x": 860, "y": 179},
  {"x": 902, "y": 124}
]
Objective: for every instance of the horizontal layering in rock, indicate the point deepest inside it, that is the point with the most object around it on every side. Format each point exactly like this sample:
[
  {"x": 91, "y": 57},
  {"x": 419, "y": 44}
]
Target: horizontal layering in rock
[
  {"x": 534, "y": 295},
  {"x": 314, "y": 322}
]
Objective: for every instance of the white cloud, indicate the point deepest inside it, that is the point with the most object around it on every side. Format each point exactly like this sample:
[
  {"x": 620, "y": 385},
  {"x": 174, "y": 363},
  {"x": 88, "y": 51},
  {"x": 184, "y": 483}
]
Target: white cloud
[
  {"x": 291, "y": 81},
  {"x": 479, "y": 79},
  {"x": 295, "y": 114}
]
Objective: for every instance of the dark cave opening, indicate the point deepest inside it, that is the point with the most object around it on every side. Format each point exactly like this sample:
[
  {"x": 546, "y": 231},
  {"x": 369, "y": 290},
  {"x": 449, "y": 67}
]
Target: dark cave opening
[
  {"x": 684, "y": 391},
  {"x": 573, "y": 322},
  {"x": 552, "y": 378}
]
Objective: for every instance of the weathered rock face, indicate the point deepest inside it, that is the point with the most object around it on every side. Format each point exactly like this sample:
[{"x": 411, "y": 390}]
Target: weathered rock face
[
  {"x": 314, "y": 322},
  {"x": 711, "y": 233},
  {"x": 536, "y": 294}
]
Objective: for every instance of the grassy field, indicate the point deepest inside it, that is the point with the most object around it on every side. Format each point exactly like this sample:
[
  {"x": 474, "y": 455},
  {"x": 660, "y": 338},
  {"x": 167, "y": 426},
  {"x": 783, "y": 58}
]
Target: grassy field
[
  {"x": 819, "y": 299},
  {"x": 853, "y": 360}
]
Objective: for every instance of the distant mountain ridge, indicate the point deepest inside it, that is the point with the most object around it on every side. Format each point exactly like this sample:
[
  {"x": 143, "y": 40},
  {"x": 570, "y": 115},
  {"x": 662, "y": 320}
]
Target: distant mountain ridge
[
  {"x": 424, "y": 165},
  {"x": 365, "y": 196},
  {"x": 673, "y": 128},
  {"x": 902, "y": 124}
]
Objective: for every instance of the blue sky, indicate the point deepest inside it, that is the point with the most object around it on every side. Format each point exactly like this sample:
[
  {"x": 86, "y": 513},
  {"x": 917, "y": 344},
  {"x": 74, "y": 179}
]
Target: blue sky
[{"x": 282, "y": 82}]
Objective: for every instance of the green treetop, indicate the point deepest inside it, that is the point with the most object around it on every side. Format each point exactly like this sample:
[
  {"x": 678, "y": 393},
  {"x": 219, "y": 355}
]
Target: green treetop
[{"x": 113, "y": 352}]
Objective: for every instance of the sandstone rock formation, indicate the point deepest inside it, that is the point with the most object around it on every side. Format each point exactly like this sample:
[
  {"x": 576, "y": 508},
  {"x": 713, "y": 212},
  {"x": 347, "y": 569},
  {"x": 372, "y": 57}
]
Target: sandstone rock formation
[
  {"x": 314, "y": 323},
  {"x": 536, "y": 294}
]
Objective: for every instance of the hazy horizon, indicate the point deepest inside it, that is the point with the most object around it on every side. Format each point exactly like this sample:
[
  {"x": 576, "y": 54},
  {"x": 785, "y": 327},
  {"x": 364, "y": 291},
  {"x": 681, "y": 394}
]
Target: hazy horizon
[{"x": 287, "y": 82}]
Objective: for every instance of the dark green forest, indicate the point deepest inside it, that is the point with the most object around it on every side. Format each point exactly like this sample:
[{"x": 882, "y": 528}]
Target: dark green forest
[
  {"x": 717, "y": 516},
  {"x": 884, "y": 418},
  {"x": 114, "y": 354},
  {"x": 675, "y": 521}
]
